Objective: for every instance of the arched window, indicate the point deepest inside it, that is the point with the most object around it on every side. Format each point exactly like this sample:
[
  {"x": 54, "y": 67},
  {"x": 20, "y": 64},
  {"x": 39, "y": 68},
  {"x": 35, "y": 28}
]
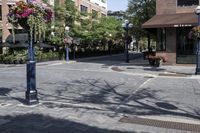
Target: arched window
[{"x": 187, "y": 2}]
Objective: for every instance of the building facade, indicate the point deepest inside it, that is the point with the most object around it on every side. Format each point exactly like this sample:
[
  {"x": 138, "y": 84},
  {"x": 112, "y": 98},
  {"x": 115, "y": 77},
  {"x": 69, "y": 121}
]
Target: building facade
[
  {"x": 119, "y": 15},
  {"x": 172, "y": 23}
]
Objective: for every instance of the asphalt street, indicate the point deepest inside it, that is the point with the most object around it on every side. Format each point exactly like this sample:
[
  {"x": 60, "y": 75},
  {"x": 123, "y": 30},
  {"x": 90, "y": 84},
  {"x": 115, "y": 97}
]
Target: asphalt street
[{"x": 92, "y": 96}]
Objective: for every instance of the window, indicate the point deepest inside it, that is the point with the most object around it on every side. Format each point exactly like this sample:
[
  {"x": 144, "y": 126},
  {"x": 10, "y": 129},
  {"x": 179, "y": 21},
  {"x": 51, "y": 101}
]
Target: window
[
  {"x": 161, "y": 39},
  {"x": 103, "y": 1},
  {"x": 187, "y": 2},
  {"x": 94, "y": 14},
  {"x": 84, "y": 10}
]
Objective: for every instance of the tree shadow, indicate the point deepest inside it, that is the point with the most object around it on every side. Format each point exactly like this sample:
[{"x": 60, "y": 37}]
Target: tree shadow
[
  {"x": 103, "y": 95},
  {"x": 149, "y": 103},
  {"x": 111, "y": 97},
  {"x": 38, "y": 123},
  {"x": 4, "y": 91}
]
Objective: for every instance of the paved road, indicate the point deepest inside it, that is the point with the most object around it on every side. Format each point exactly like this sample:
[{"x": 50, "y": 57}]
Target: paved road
[{"x": 89, "y": 96}]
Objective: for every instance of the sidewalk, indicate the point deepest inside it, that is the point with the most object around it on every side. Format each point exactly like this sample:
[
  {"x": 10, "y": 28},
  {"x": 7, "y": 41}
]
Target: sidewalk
[
  {"x": 141, "y": 66},
  {"x": 79, "y": 100}
]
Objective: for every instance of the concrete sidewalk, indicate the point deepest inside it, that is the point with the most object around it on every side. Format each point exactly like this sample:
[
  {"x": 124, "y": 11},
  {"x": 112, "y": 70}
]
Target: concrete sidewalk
[{"x": 139, "y": 65}]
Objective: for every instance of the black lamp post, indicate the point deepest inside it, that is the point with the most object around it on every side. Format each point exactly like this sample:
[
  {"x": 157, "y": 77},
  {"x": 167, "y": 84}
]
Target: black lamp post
[
  {"x": 67, "y": 42},
  {"x": 31, "y": 92},
  {"x": 197, "y": 11},
  {"x": 126, "y": 25}
]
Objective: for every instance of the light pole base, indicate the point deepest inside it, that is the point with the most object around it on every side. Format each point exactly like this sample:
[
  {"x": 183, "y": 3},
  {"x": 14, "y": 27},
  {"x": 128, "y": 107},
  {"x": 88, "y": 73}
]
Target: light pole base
[
  {"x": 31, "y": 97},
  {"x": 197, "y": 71},
  {"x": 31, "y": 93}
]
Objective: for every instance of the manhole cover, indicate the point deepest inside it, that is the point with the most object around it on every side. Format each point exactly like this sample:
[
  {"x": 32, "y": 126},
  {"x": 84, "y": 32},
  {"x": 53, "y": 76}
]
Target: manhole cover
[{"x": 162, "y": 124}]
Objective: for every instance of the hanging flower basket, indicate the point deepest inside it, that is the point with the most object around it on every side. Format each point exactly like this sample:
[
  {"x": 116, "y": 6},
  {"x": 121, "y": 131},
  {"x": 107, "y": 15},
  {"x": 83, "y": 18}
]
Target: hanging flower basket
[
  {"x": 194, "y": 33},
  {"x": 31, "y": 16},
  {"x": 23, "y": 23}
]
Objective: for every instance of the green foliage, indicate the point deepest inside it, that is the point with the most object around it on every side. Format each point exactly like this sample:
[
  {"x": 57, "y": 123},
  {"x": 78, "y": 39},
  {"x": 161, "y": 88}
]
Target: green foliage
[
  {"x": 140, "y": 11},
  {"x": 89, "y": 30},
  {"x": 93, "y": 31}
]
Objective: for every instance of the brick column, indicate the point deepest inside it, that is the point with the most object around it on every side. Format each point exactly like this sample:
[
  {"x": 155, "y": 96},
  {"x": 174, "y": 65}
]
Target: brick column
[{"x": 5, "y": 30}]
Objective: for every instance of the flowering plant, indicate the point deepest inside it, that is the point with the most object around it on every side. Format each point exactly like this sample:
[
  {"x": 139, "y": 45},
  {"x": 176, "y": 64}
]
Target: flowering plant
[
  {"x": 194, "y": 33},
  {"x": 32, "y": 16}
]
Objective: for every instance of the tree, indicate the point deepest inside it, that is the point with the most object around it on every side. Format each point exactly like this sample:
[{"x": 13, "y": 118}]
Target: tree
[
  {"x": 65, "y": 15},
  {"x": 139, "y": 11}
]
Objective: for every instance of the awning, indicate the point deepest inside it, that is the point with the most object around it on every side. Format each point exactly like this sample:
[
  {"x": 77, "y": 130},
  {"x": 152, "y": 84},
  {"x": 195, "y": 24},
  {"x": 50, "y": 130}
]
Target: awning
[{"x": 172, "y": 20}]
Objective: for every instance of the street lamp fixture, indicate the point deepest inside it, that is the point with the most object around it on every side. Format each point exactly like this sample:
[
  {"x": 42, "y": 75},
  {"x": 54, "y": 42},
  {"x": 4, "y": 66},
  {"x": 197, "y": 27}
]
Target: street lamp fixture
[
  {"x": 127, "y": 25},
  {"x": 31, "y": 92},
  {"x": 197, "y": 11}
]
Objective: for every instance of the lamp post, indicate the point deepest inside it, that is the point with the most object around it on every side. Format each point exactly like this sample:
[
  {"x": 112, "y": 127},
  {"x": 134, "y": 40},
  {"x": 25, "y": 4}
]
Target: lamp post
[
  {"x": 67, "y": 41},
  {"x": 109, "y": 44},
  {"x": 127, "y": 25},
  {"x": 197, "y": 11},
  {"x": 31, "y": 92}
]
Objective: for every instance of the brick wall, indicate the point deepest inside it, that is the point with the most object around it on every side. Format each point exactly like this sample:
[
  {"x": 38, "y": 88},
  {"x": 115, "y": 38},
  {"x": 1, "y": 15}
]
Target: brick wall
[
  {"x": 165, "y": 6},
  {"x": 169, "y": 7}
]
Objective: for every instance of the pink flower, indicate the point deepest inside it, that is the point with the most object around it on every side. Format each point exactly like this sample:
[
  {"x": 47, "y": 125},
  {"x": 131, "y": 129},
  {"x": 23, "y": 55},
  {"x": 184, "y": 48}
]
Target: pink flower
[{"x": 27, "y": 12}]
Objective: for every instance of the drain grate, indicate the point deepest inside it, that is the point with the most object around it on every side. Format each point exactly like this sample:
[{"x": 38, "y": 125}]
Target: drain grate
[
  {"x": 162, "y": 124},
  {"x": 117, "y": 69}
]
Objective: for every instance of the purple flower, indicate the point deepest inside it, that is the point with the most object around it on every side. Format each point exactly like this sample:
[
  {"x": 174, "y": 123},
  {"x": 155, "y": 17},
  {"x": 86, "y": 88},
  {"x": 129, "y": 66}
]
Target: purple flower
[
  {"x": 190, "y": 35},
  {"x": 27, "y": 12}
]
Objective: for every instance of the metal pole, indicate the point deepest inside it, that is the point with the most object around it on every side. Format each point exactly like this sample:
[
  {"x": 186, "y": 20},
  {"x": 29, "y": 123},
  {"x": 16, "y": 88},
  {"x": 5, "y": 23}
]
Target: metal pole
[
  {"x": 198, "y": 52},
  {"x": 31, "y": 92},
  {"x": 67, "y": 53},
  {"x": 126, "y": 46}
]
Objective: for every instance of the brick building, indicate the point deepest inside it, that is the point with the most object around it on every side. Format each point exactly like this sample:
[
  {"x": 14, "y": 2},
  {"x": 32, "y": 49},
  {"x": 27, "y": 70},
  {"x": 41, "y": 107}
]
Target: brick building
[
  {"x": 172, "y": 23},
  {"x": 98, "y": 7}
]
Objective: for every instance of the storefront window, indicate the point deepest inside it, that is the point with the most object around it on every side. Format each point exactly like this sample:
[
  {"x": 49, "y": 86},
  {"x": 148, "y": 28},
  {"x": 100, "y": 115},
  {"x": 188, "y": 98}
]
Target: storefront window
[
  {"x": 186, "y": 48},
  {"x": 161, "y": 40}
]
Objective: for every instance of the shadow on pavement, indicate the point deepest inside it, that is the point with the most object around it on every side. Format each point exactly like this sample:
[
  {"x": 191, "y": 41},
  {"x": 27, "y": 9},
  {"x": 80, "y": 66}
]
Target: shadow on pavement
[
  {"x": 4, "y": 91},
  {"x": 109, "y": 96},
  {"x": 115, "y": 59},
  {"x": 103, "y": 95},
  {"x": 37, "y": 123}
]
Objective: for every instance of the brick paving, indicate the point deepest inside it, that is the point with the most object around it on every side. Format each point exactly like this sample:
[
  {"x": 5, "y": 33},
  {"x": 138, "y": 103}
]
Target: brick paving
[{"x": 89, "y": 97}]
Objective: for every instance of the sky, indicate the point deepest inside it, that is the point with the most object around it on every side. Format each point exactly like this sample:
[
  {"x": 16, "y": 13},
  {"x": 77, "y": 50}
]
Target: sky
[{"x": 116, "y": 5}]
